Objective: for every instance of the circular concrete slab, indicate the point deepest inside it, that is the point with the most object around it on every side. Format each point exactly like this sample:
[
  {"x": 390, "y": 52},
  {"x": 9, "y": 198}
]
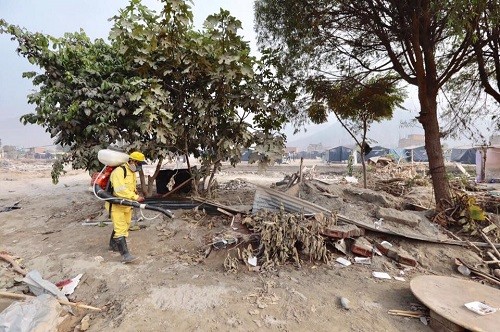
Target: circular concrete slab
[{"x": 447, "y": 296}]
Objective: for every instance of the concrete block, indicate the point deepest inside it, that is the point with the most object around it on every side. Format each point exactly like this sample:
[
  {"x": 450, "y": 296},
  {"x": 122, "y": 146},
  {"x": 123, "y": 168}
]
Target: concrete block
[{"x": 400, "y": 217}]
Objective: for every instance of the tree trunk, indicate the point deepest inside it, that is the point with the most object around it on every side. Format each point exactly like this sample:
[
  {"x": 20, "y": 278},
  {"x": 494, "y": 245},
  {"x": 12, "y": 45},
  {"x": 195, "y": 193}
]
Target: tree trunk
[
  {"x": 482, "y": 173},
  {"x": 428, "y": 119},
  {"x": 364, "y": 169}
]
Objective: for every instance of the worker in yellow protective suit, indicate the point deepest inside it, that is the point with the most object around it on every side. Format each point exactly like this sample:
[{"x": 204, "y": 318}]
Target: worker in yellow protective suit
[{"x": 124, "y": 183}]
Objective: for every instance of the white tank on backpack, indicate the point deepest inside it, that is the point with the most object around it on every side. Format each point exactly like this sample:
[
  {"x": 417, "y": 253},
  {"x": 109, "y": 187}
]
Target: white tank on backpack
[{"x": 111, "y": 157}]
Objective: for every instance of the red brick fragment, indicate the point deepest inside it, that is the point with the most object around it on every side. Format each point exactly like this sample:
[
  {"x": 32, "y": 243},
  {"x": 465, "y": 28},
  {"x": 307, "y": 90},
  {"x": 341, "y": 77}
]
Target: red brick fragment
[
  {"x": 343, "y": 231},
  {"x": 362, "y": 247}
]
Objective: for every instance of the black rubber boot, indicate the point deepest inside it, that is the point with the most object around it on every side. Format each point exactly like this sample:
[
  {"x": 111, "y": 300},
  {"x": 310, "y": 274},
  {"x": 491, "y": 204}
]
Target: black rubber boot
[
  {"x": 121, "y": 242},
  {"x": 112, "y": 243}
]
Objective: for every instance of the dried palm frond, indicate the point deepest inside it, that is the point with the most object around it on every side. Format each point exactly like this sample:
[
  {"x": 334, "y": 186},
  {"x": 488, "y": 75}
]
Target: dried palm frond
[{"x": 284, "y": 236}]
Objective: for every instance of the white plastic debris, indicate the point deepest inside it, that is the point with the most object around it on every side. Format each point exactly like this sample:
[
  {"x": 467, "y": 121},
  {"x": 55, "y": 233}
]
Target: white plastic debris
[
  {"x": 40, "y": 313},
  {"x": 376, "y": 251},
  {"x": 399, "y": 278},
  {"x": 464, "y": 270},
  {"x": 69, "y": 288},
  {"x": 381, "y": 275},
  {"x": 252, "y": 260},
  {"x": 343, "y": 261},
  {"x": 385, "y": 243},
  {"x": 480, "y": 308},
  {"x": 363, "y": 260},
  {"x": 38, "y": 285},
  {"x": 378, "y": 223}
]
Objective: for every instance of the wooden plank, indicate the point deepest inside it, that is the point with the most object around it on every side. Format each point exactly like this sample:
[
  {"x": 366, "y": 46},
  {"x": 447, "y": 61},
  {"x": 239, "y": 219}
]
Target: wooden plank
[{"x": 446, "y": 296}]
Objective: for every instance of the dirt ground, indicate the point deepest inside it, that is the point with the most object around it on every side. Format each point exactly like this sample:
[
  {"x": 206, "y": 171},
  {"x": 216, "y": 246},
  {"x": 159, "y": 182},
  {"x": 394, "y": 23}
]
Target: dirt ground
[{"x": 173, "y": 286}]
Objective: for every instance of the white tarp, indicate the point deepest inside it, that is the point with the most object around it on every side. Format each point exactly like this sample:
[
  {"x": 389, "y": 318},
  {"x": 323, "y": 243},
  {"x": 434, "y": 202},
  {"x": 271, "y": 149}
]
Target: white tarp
[{"x": 39, "y": 314}]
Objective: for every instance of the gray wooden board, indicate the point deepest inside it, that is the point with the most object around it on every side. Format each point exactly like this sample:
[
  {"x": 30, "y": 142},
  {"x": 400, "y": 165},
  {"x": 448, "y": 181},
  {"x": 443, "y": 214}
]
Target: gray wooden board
[{"x": 447, "y": 296}]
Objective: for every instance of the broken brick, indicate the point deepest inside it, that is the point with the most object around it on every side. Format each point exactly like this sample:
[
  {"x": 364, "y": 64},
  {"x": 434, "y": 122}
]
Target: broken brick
[
  {"x": 362, "y": 247},
  {"x": 343, "y": 231},
  {"x": 396, "y": 254}
]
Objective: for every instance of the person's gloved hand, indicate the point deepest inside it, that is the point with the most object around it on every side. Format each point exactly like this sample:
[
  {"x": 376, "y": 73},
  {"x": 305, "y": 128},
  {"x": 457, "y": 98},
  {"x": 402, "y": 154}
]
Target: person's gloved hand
[{"x": 140, "y": 199}]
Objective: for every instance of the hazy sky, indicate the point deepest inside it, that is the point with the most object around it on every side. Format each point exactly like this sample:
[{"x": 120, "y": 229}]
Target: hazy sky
[{"x": 55, "y": 17}]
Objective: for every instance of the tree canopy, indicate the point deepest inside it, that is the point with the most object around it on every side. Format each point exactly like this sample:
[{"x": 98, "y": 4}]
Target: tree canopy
[
  {"x": 415, "y": 41},
  {"x": 158, "y": 85}
]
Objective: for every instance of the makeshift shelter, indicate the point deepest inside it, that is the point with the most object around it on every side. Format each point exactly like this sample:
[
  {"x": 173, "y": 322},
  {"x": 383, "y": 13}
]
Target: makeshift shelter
[
  {"x": 398, "y": 154},
  {"x": 417, "y": 154},
  {"x": 488, "y": 170},
  {"x": 464, "y": 156},
  {"x": 339, "y": 154},
  {"x": 378, "y": 151}
]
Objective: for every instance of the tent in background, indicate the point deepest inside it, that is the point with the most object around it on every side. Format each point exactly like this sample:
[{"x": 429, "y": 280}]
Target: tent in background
[
  {"x": 339, "y": 154},
  {"x": 378, "y": 151},
  {"x": 416, "y": 153},
  {"x": 464, "y": 156}
]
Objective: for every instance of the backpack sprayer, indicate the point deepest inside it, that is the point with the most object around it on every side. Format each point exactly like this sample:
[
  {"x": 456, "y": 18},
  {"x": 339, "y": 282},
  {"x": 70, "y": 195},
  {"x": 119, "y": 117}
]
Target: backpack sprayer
[{"x": 111, "y": 159}]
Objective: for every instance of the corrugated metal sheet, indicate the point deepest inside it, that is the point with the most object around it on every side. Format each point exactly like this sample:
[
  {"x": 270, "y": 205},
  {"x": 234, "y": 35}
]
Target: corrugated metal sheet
[{"x": 270, "y": 199}]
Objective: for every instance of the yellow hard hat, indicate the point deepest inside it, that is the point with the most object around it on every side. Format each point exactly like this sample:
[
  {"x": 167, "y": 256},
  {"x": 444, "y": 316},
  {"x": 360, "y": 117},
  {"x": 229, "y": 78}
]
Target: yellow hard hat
[{"x": 138, "y": 156}]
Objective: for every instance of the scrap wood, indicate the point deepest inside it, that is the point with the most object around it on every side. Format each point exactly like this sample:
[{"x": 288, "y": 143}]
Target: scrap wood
[
  {"x": 494, "y": 259},
  {"x": 177, "y": 188},
  {"x": 414, "y": 314},
  {"x": 27, "y": 297},
  {"x": 474, "y": 246},
  {"x": 490, "y": 243},
  {"x": 492, "y": 279},
  {"x": 225, "y": 212},
  {"x": 15, "y": 266},
  {"x": 217, "y": 205}
]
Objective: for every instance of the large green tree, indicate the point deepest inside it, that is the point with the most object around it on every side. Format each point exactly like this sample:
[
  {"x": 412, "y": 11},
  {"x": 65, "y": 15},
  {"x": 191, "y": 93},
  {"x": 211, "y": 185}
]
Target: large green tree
[
  {"x": 413, "y": 39},
  {"x": 158, "y": 85}
]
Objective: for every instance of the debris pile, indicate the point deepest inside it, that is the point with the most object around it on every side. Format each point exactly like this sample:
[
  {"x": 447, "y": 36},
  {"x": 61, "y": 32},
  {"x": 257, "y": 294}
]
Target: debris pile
[
  {"x": 283, "y": 236},
  {"x": 37, "y": 311}
]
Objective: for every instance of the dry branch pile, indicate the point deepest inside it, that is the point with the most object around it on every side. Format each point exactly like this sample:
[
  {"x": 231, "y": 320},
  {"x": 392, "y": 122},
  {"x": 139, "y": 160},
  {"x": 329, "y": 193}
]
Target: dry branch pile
[{"x": 285, "y": 236}]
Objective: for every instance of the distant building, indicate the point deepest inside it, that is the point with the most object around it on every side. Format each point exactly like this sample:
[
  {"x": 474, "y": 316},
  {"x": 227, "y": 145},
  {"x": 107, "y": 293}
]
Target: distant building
[
  {"x": 488, "y": 164},
  {"x": 412, "y": 140}
]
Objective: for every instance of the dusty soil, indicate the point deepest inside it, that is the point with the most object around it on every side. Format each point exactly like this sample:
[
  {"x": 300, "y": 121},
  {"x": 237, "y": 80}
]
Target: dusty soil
[{"x": 174, "y": 286}]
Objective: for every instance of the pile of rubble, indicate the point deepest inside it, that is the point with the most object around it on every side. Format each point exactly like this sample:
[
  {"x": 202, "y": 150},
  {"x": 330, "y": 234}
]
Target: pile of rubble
[{"x": 305, "y": 218}]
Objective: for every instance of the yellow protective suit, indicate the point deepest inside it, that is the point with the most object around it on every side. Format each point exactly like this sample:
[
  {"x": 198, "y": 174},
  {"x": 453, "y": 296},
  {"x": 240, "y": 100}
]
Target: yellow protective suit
[{"x": 124, "y": 186}]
